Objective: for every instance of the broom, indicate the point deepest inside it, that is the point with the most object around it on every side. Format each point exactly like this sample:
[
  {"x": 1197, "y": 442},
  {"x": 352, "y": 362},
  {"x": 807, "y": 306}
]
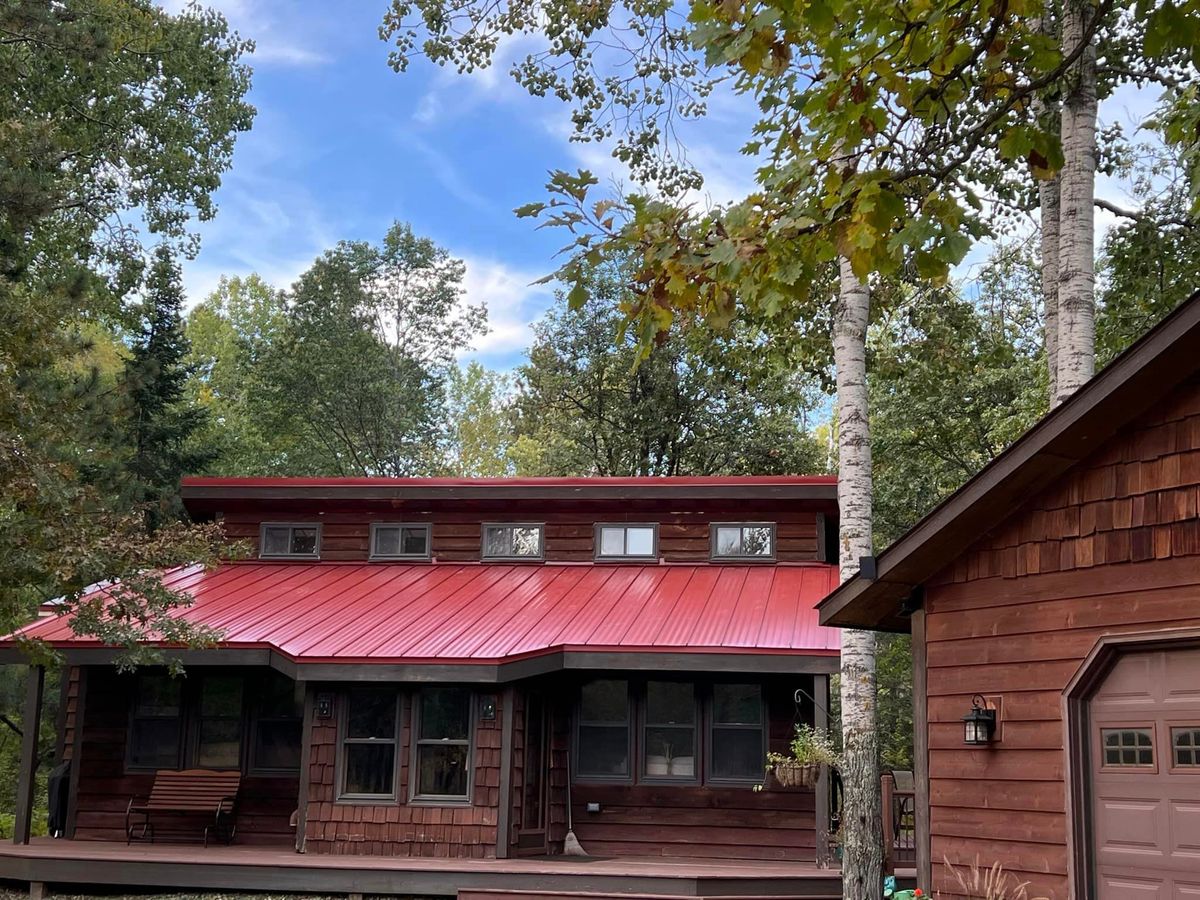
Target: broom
[{"x": 571, "y": 845}]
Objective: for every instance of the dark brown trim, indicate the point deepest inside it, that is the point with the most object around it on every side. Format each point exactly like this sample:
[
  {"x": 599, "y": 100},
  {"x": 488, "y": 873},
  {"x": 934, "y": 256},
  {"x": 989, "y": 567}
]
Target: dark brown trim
[
  {"x": 821, "y": 801},
  {"x": 1076, "y": 697},
  {"x": 305, "y": 767},
  {"x": 508, "y": 727},
  {"x": 822, "y": 540},
  {"x": 76, "y": 752},
  {"x": 1137, "y": 379},
  {"x": 60, "y": 719},
  {"x": 31, "y": 726},
  {"x": 920, "y": 677}
]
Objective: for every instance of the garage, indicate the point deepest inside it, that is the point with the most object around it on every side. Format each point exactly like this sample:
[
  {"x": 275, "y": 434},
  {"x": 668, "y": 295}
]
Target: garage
[{"x": 1144, "y": 761}]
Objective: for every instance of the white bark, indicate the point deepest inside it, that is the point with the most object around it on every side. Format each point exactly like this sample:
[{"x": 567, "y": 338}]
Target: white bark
[
  {"x": 1077, "y": 237},
  {"x": 1048, "y": 196},
  {"x": 862, "y": 836}
]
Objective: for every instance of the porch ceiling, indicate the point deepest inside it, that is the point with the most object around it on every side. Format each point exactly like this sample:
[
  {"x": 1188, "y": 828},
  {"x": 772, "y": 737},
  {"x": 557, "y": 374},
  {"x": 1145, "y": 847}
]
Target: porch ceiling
[{"x": 329, "y": 615}]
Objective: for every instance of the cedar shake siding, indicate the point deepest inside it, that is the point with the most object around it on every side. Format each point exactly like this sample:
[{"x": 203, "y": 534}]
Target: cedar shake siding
[{"x": 1110, "y": 547}]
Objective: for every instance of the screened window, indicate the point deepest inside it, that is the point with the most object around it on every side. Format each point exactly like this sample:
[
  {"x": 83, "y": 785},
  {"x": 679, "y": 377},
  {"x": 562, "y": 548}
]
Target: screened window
[
  {"x": 443, "y": 743},
  {"x": 399, "y": 541},
  {"x": 155, "y": 726},
  {"x": 736, "y": 736},
  {"x": 1185, "y": 744},
  {"x": 278, "y": 725},
  {"x": 669, "y": 731},
  {"x": 604, "y": 729},
  {"x": 281, "y": 540},
  {"x": 745, "y": 540},
  {"x": 219, "y": 723},
  {"x": 369, "y": 744},
  {"x": 512, "y": 541},
  {"x": 626, "y": 541},
  {"x": 1128, "y": 747}
]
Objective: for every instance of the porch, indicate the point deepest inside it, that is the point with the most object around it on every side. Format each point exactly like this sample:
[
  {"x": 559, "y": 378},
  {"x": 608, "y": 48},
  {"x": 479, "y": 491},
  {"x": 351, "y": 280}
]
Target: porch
[{"x": 246, "y": 868}]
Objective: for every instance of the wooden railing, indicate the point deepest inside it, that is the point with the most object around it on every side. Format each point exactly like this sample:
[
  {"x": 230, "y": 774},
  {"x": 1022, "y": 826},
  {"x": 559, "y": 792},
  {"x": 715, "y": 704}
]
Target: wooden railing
[{"x": 899, "y": 821}]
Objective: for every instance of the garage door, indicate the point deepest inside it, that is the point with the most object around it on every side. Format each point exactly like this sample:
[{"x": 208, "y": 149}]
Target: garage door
[{"x": 1145, "y": 771}]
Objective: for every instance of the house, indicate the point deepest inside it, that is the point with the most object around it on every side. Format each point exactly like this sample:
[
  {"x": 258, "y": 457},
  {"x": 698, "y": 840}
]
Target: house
[
  {"x": 446, "y": 669},
  {"x": 1054, "y": 607}
]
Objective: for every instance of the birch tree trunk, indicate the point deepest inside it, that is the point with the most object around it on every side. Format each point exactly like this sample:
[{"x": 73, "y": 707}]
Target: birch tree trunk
[
  {"x": 1049, "y": 113},
  {"x": 862, "y": 836},
  {"x": 1077, "y": 236}
]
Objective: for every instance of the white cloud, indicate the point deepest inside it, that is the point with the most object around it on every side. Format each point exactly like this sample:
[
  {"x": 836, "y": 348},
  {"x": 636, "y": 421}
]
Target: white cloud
[
  {"x": 513, "y": 302},
  {"x": 278, "y": 39},
  {"x": 443, "y": 169}
]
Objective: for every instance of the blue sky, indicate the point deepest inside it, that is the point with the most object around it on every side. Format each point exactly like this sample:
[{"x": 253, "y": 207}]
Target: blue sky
[{"x": 342, "y": 146}]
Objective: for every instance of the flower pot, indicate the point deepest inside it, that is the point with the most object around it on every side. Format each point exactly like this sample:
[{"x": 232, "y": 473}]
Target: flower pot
[{"x": 797, "y": 774}]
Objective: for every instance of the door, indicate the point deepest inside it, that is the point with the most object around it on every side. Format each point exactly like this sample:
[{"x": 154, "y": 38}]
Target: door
[
  {"x": 531, "y": 833},
  {"x": 1145, "y": 777}
]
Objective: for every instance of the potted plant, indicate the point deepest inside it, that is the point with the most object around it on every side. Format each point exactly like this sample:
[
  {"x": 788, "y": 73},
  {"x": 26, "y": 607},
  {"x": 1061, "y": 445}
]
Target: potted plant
[{"x": 810, "y": 750}]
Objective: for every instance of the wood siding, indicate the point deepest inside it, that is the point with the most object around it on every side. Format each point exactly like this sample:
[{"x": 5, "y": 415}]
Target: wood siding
[
  {"x": 569, "y": 535},
  {"x": 1109, "y": 548},
  {"x": 398, "y": 827},
  {"x": 265, "y": 804}
]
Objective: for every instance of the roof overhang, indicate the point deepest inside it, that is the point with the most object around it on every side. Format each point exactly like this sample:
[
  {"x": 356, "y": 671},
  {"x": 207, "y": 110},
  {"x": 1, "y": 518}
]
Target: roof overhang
[{"x": 1151, "y": 368}]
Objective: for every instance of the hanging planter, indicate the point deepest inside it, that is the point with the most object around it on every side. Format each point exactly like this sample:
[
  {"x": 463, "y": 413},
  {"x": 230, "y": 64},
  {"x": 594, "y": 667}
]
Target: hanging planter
[
  {"x": 801, "y": 770},
  {"x": 793, "y": 774}
]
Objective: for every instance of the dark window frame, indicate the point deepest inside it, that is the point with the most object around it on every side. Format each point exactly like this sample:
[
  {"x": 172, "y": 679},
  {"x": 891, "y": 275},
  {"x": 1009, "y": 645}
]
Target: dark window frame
[
  {"x": 193, "y": 708},
  {"x": 540, "y": 556},
  {"x": 624, "y": 557},
  {"x": 262, "y": 540},
  {"x": 416, "y": 798},
  {"x": 181, "y": 725},
  {"x": 341, "y": 796},
  {"x": 1102, "y": 729},
  {"x": 631, "y": 744},
  {"x": 1176, "y": 767},
  {"x": 765, "y": 558},
  {"x": 427, "y": 527},
  {"x": 711, "y": 724},
  {"x": 640, "y": 699},
  {"x": 256, "y": 718}
]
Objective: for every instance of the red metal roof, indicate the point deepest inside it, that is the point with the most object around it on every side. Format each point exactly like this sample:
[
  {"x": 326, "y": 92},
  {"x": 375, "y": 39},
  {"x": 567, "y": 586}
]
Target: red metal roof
[{"x": 443, "y": 613}]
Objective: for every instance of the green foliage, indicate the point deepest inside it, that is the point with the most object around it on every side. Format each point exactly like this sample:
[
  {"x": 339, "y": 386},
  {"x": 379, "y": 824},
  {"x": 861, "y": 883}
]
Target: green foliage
[
  {"x": 481, "y": 421},
  {"x": 894, "y": 701},
  {"x": 809, "y": 746},
  {"x": 699, "y": 404}
]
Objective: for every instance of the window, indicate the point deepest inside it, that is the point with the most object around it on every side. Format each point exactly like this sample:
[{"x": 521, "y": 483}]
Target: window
[
  {"x": 512, "y": 541},
  {"x": 1185, "y": 744},
  {"x": 278, "y": 727},
  {"x": 604, "y": 730},
  {"x": 626, "y": 541},
  {"x": 669, "y": 731},
  {"x": 1128, "y": 747},
  {"x": 399, "y": 541},
  {"x": 743, "y": 540},
  {"x": 155, "y": 726},
  {"x": 369, "y": 744},
  {"x": 443, "y": 744},
  {"x": 219, "y": 723},
  {"x": 736, "y": 733},
  {"x": 281, "y": 540}
]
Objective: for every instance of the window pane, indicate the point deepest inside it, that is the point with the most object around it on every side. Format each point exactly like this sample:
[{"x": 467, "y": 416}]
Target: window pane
[
  {"x": 512, "y": 540},
  {"x": 276, "y": 540},
  {"x": 1186, "y": 743},
  {"x": 756, "y": 541},
  {"x": 603, "y": 750},
  {"x": 221, "y": 696},
  {"x": 277, "y": 745},
  {"x": 277, "y": 698},
  {"x": 1127, "y": 746},
  {"x": 737, "y": 704},
  {"x": 415, "y": 541},
  {"x": 387, "y": 541},
  {"x": 604, "y": 701},
  {"x": 729, "y": 541},
  {"x": 304, "y": 540},
  {"x": 442, "y": 770},
  {"x": 369, "y": 768},
  {"x": 612, "y": 541},
  {"x": 670, "y": 702},
  {"x": 371, "y": 714},
  {"x": 154, "y": 743},
  {"x": 158, "y": 695},
  {"x": 446, "y": 714},
  {"x": 220, "y": 744},
  {"x": 670, "y": 752},
  {"x": 639, "y": 541},
  {"x": 737, "y": 753}
]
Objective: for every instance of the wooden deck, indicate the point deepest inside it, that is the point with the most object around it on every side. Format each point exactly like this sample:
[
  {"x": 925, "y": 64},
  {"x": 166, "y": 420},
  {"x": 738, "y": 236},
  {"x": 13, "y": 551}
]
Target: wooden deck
[{"x": 105, "y": 864}]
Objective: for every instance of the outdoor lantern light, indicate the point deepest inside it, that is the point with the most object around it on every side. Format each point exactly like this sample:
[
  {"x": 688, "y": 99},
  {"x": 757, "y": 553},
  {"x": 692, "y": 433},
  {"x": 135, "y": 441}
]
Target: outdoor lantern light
[{"x": 980, "y": 723}]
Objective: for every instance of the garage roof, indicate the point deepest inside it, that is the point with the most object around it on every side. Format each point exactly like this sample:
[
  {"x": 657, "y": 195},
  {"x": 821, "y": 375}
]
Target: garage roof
[{"x": 415, "y": 615}]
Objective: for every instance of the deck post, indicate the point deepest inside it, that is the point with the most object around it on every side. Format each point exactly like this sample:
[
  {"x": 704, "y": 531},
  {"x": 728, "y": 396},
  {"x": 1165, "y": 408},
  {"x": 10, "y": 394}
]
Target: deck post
[
  {"x": 821, "y": 800},
  {"x": 31, "y": 726},
  {"x": 923, "y": 848},
  {"x": 305, "y": 767},
  {"x": 77, "y": 732},
  {"x": 507, "y": 734}
]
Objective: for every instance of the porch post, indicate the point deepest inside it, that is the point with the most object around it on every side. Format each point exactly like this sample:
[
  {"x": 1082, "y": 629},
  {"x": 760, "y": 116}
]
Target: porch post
[
  {"x": 821, "y": 804},
  {"x": 305, "y": 767},
  {"x": 31, "y": 725},
  {"x": 921, "y": 753},
  {"x": 507, "y": 733}
]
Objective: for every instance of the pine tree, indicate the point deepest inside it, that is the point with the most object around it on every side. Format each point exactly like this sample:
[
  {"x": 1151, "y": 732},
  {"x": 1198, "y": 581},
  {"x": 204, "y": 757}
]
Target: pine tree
[{"x": 159, "y": 421}]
